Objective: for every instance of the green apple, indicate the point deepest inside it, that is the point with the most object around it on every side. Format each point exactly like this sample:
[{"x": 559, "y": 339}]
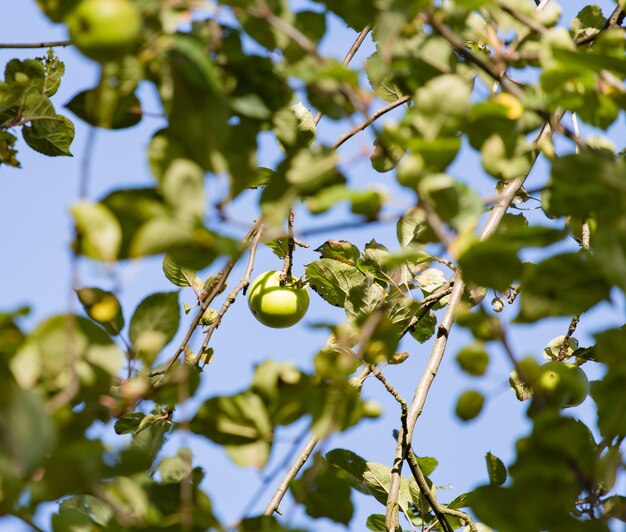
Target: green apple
[
  {"x": 274, "y": 305},
  {"x": 469, "y": 405},
  {"x": 104, "y": 30},
  {"x": 562, "y": 384},
  {"x": 411, "y": 170}
]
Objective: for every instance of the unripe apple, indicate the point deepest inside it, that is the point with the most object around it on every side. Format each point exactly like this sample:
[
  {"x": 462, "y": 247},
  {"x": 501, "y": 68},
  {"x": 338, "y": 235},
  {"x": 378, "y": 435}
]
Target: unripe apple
[
  {"x": 274, "y": 305},
  {"x": 562, "y": 384},
  {"x": 469, "y": 405},
  {"x": 104, "y": 30}
]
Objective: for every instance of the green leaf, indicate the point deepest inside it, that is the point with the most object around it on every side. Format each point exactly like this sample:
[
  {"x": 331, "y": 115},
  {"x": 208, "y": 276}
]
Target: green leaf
[
  {"x": 27, "y": 435},
  {"x": 177, "y": 275},
  {"x": 50, "y": 136},
  {"x": 71, "y": 519},
  {"x": 386, "y": 155},
  {"x": 491, "y": 264},
  {"x": 54, "y": 70},
  {"x": 460, "y": 502},
  {"x": 102, "y": 307},
  {"x": 43, "y": 357},
  {"x": 106, "y": 110},
  {"x": 427, "y": 464},
  {"x": 586, "y": 183},
  {"x": 382, "y": 83},
  {"x": 363, "y": 299},
  {"x": 412, "y": 229},
  {"x": 496, "y": 470},
  {"x": 236, "y": 421},
  {"x": 162, "y": 151},
  {"x": 333, "y": 279},
  {"x": 190, "y": 244},
  {"x": 550, "y": 460},
  {"x": 264, "y": 523},
  {"x": 175, "y": 469},
  {"x": 609, "y": 401},
  {"x": 340, "y": 250},
  {"x": 324, "y": 492},
  {"x": 473, "y": 358},
  {"x": 154, "y": 324},
  {"x": 56, "y": 10},
  {"x": 279, "y": 247},
  {"x": 355, "y": 13},
  {"x": 100, "y": 235},
  {"x": 75, "y": 509},
  {"x": 436, "y": 154},
  {"x": 251, "y": 106},
  {"x": 565, "y": 284},
  {"x": 8, "y": 153},
  {"x": 588, "y": 21},
  {"x": 312, "y": 169},
  {"x": 441, "y": 106},
  {"x": 609, "y": 245},
  {"x": 376, "y": 522},
  {"x": 369, "y": 477},
  {"x": 425, "y": 327},
  {"x": 133, "y": 207},
  {"x": 294, "y": 127},
  {"x": 182, "y": 187},
  {"x": 198, "y": 111},
  {"x": 454, "y": 202},
  {"x": 615, "y": 506},
  {"x": 128, "y": 423}
]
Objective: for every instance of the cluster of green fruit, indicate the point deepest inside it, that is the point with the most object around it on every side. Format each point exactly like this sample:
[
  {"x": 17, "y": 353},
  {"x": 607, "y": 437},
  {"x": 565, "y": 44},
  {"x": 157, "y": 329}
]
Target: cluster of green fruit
[{"x": 105, "y": 30}]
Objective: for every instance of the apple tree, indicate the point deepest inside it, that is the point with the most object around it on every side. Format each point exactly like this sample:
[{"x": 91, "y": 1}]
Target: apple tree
[{"x": 533, "y": 98}]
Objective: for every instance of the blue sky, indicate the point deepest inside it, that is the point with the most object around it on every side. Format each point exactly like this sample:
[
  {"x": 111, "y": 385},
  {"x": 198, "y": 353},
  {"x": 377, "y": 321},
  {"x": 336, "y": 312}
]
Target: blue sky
[{"x": 35, "y": 230}]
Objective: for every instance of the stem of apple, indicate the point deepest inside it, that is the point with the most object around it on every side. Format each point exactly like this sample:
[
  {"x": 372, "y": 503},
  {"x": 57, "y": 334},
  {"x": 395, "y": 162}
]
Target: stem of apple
[{"x": 286, "y": 272}]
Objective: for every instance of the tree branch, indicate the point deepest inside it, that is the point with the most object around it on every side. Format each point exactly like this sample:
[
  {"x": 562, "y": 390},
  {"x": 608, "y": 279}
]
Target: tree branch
[
  {"x": 72, "y": 388},
  {"x": 351, "y": 52},
  {"x": 439, "y": 510},
  {"x": 507, "y": 195},
  {"x": 363, "y": 125},
  {"x": 245, "y": 280},
  {"x": 285, "y": 274},
  {"x": 206, "y": 298},
  {"x": 50, "y": 44}
]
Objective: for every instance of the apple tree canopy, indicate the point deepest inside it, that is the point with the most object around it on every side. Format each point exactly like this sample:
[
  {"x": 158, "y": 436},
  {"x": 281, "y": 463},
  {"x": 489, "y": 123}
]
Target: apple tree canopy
[{"x": 482, "y": 142}]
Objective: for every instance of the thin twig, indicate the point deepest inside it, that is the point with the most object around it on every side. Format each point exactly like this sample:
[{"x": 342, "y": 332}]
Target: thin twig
[
  {"x": 245, "y": 280},
  {"x": 351, "y": 52},
  {"x": 366, "y": 332},
  {"x": 285, "y": 274},
  {"x": 534, "y": 25},
  {"x": 378, "y": 374},
  {"x": 303, "y": 456},
  {"x": 333, "y": 228},
  {"x": 206, "y": 298},
  {"x": 72, "y": 388},
  {"x": 564, "y": 348},
  {"x": 269, "y": 478},
  {"x": 363, "y": 125},
  {"x": 262, "y": 11},
  {"x": 50, "y": 44},
  {"x": 507, "y": 195},
  {"x": 186, "y": 483},
  {"x": 439, "y": 510}
]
